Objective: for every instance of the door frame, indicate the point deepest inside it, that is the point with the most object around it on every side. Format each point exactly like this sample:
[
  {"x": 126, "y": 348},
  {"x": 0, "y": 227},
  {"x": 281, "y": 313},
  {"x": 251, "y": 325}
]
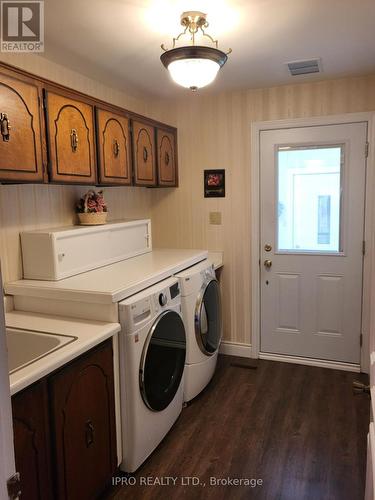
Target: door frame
[{"x": 369, "y": 233}]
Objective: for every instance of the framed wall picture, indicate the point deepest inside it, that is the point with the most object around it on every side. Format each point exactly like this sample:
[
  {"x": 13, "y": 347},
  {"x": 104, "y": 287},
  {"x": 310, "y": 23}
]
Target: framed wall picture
[{"x": 214, "y": 183}]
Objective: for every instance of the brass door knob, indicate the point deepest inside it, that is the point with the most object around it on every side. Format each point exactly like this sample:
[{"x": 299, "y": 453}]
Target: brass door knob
[{"x": 268, "y": 264}]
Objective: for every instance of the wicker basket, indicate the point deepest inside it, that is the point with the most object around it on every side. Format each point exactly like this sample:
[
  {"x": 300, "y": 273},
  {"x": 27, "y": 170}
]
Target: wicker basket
[{"x": 92, "y": 219}]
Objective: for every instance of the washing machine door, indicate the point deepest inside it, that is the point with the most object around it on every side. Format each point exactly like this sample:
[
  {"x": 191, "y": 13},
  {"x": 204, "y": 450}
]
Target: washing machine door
[
  {"x": 208, "y": 318},
  {"x": 163, "y": 361}
]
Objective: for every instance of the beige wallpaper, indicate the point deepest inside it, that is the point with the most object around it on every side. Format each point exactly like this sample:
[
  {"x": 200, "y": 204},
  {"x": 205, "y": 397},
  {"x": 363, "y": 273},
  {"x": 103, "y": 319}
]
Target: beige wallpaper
[{"x": 214, "y": 132}]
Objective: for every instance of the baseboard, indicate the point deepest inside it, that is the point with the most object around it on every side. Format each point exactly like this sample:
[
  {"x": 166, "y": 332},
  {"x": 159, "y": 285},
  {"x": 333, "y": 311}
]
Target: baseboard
[
  {"x": 235, "y": 349},
  {"x": 322, "y": 363}
]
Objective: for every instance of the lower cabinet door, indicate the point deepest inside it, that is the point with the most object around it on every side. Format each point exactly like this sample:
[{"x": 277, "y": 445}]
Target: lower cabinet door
[
  {"x": 31, "y": 441},
  {"x": 82, "y": 404}
]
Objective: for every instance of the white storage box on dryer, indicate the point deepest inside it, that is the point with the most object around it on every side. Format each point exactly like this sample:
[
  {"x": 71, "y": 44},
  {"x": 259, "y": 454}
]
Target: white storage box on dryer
[{"x": 53, "y": 254}]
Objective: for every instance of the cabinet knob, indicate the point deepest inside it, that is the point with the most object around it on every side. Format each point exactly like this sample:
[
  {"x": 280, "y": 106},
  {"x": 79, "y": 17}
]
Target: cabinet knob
[
  {"x": 116, "y": 148},
  {"x": 89, "y": 433},
  {"x": 145, "y": 154},
  {"x": 74, "y": 139},
  {"x": 5, "y": 127},
  {"x": 166, "y": 159}
]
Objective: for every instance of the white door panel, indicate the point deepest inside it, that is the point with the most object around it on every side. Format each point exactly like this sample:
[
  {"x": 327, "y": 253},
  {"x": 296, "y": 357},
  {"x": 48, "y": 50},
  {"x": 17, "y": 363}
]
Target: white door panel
[{"x": 312, "y": 216}]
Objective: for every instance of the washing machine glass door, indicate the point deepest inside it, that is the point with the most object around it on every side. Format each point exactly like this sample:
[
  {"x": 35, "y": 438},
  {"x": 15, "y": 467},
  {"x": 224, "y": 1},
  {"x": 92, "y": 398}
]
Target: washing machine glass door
[
  {"x": 208, "y": 318},
  {"x": 163, "y": 361}
]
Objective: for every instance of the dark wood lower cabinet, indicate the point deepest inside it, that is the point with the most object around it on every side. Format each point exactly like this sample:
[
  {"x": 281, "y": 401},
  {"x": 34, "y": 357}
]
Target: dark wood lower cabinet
[
  {"x": 68, "y": 420},
  {"x": 82, "y": 406},
  {"x": 32, "y": 441}
]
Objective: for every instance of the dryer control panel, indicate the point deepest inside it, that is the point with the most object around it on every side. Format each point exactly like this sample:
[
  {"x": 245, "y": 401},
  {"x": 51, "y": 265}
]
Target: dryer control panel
[{"x": 148, "y": 304}]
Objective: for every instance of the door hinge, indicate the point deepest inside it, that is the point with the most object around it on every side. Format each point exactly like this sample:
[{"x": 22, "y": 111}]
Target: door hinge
[
  {"x": 361, "y": 340},
  {"x": 363, "y": 247},
  {"x": 14, "y": 486},
  {"x": 366, "y": 149}
]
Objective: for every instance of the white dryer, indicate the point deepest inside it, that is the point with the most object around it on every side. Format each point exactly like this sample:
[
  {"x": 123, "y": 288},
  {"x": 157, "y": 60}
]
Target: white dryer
[
  {"x": 152, "y": 361},
  {"x": 201, "y": 310}
]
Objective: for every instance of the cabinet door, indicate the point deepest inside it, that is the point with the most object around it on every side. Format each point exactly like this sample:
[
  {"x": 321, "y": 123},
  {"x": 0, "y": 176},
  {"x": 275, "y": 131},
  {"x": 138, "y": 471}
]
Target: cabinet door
[
  {"x": 21, "y": 150},
  {"x": 31, "y": 441},
  {"x": 144, "y": 154},
  {"x": 71, "y": 142},
  {"x": 167, "y": 158},
  {"x": 113, "y": 140},
  {"x": 83, "y": 414}
]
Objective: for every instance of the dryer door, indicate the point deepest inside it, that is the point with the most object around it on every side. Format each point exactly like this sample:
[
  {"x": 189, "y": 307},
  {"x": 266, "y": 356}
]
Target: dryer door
[
  {"x": 208, "y": 318},
  {"x": 163, "y": 361}
]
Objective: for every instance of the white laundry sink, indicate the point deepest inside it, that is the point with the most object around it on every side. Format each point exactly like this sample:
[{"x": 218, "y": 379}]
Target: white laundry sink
[{"x": 26, "y": 346}]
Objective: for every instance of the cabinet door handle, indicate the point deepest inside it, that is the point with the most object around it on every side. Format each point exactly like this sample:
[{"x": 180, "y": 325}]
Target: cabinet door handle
[
  {"x": 145, "y": 154},
  {"x": 116, "y": 148},
  {"x": 5, "y": 127},
  {"x": 74, "y": 139},
  {"x": 166, "y": 158},
  {"x": 89, "y": 433}
]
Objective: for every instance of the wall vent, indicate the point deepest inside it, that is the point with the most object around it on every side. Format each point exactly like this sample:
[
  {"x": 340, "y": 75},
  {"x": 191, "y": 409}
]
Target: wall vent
[{"x": 304, "y": 67}]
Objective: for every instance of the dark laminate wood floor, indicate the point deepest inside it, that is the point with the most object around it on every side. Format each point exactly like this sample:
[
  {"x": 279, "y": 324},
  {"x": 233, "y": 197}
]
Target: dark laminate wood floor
[{"x": 298, "y": 428}]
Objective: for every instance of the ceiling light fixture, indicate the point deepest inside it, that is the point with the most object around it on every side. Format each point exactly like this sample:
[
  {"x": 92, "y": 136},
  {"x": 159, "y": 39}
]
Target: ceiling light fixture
[{"x": 194, "y": 66}]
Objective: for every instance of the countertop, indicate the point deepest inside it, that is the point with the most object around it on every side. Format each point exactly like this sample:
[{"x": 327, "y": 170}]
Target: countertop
[
  {"x": 88, "y": 333},
  {"x": 111, "y": 283}
]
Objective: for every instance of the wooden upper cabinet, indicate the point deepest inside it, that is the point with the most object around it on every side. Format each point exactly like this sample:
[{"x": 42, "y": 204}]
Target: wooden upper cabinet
[
  {"x": 70, "y": 126},
  {"x": 144, "y": 157},
  {"x": 166, "y": 158},
  {"x": 21, "y": 144},
  {"x": 114, "y": 148}
]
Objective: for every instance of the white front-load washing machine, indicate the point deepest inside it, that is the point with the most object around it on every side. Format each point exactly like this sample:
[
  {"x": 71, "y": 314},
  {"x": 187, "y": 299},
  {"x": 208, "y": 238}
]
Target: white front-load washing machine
[
  {"x": 152, "y": 361},
  {"x": 201, "y": 311}
]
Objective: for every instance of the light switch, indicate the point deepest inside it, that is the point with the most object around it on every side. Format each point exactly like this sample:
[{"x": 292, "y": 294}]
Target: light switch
[{"x": 215, "y": 218}]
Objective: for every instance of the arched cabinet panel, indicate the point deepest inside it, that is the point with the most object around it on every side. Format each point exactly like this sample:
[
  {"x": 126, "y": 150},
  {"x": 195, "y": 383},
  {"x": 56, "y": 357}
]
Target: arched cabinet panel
[
  {"x": 21, "y": 144},
  {"x": 70, "y": 126},
  {"x": 167, "y": 158},
  {"x": 82, "y": 403},
  {"x": 144, "y": 158},
  {"x": 114, "y": 148},
  {"x": 31, "y": 442}
]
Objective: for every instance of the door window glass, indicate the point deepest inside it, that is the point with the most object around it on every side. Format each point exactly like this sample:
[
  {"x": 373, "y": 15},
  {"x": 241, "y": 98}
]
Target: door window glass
[
  {"x": 208, "y": 321},
  {"x": 164, "y": 361},
  {"x": 309, "y": 198}
]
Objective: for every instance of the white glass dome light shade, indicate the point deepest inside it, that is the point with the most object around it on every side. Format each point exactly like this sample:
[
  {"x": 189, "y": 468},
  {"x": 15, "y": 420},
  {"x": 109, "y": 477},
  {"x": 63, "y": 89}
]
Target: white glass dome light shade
[
  {"x": 193, "y": 66},
  {"x": 193, "y": 73}
]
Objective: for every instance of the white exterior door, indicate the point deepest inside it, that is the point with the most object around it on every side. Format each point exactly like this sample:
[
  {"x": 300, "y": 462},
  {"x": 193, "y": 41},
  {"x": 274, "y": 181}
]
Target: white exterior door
[
  {"x": 312, "y": 189},
  {"x": 7, "y": 467}
]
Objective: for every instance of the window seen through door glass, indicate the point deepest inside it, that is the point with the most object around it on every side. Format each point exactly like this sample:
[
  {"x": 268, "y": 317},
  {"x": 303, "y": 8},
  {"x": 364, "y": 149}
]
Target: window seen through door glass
[{"x": 309, "y": 198}]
